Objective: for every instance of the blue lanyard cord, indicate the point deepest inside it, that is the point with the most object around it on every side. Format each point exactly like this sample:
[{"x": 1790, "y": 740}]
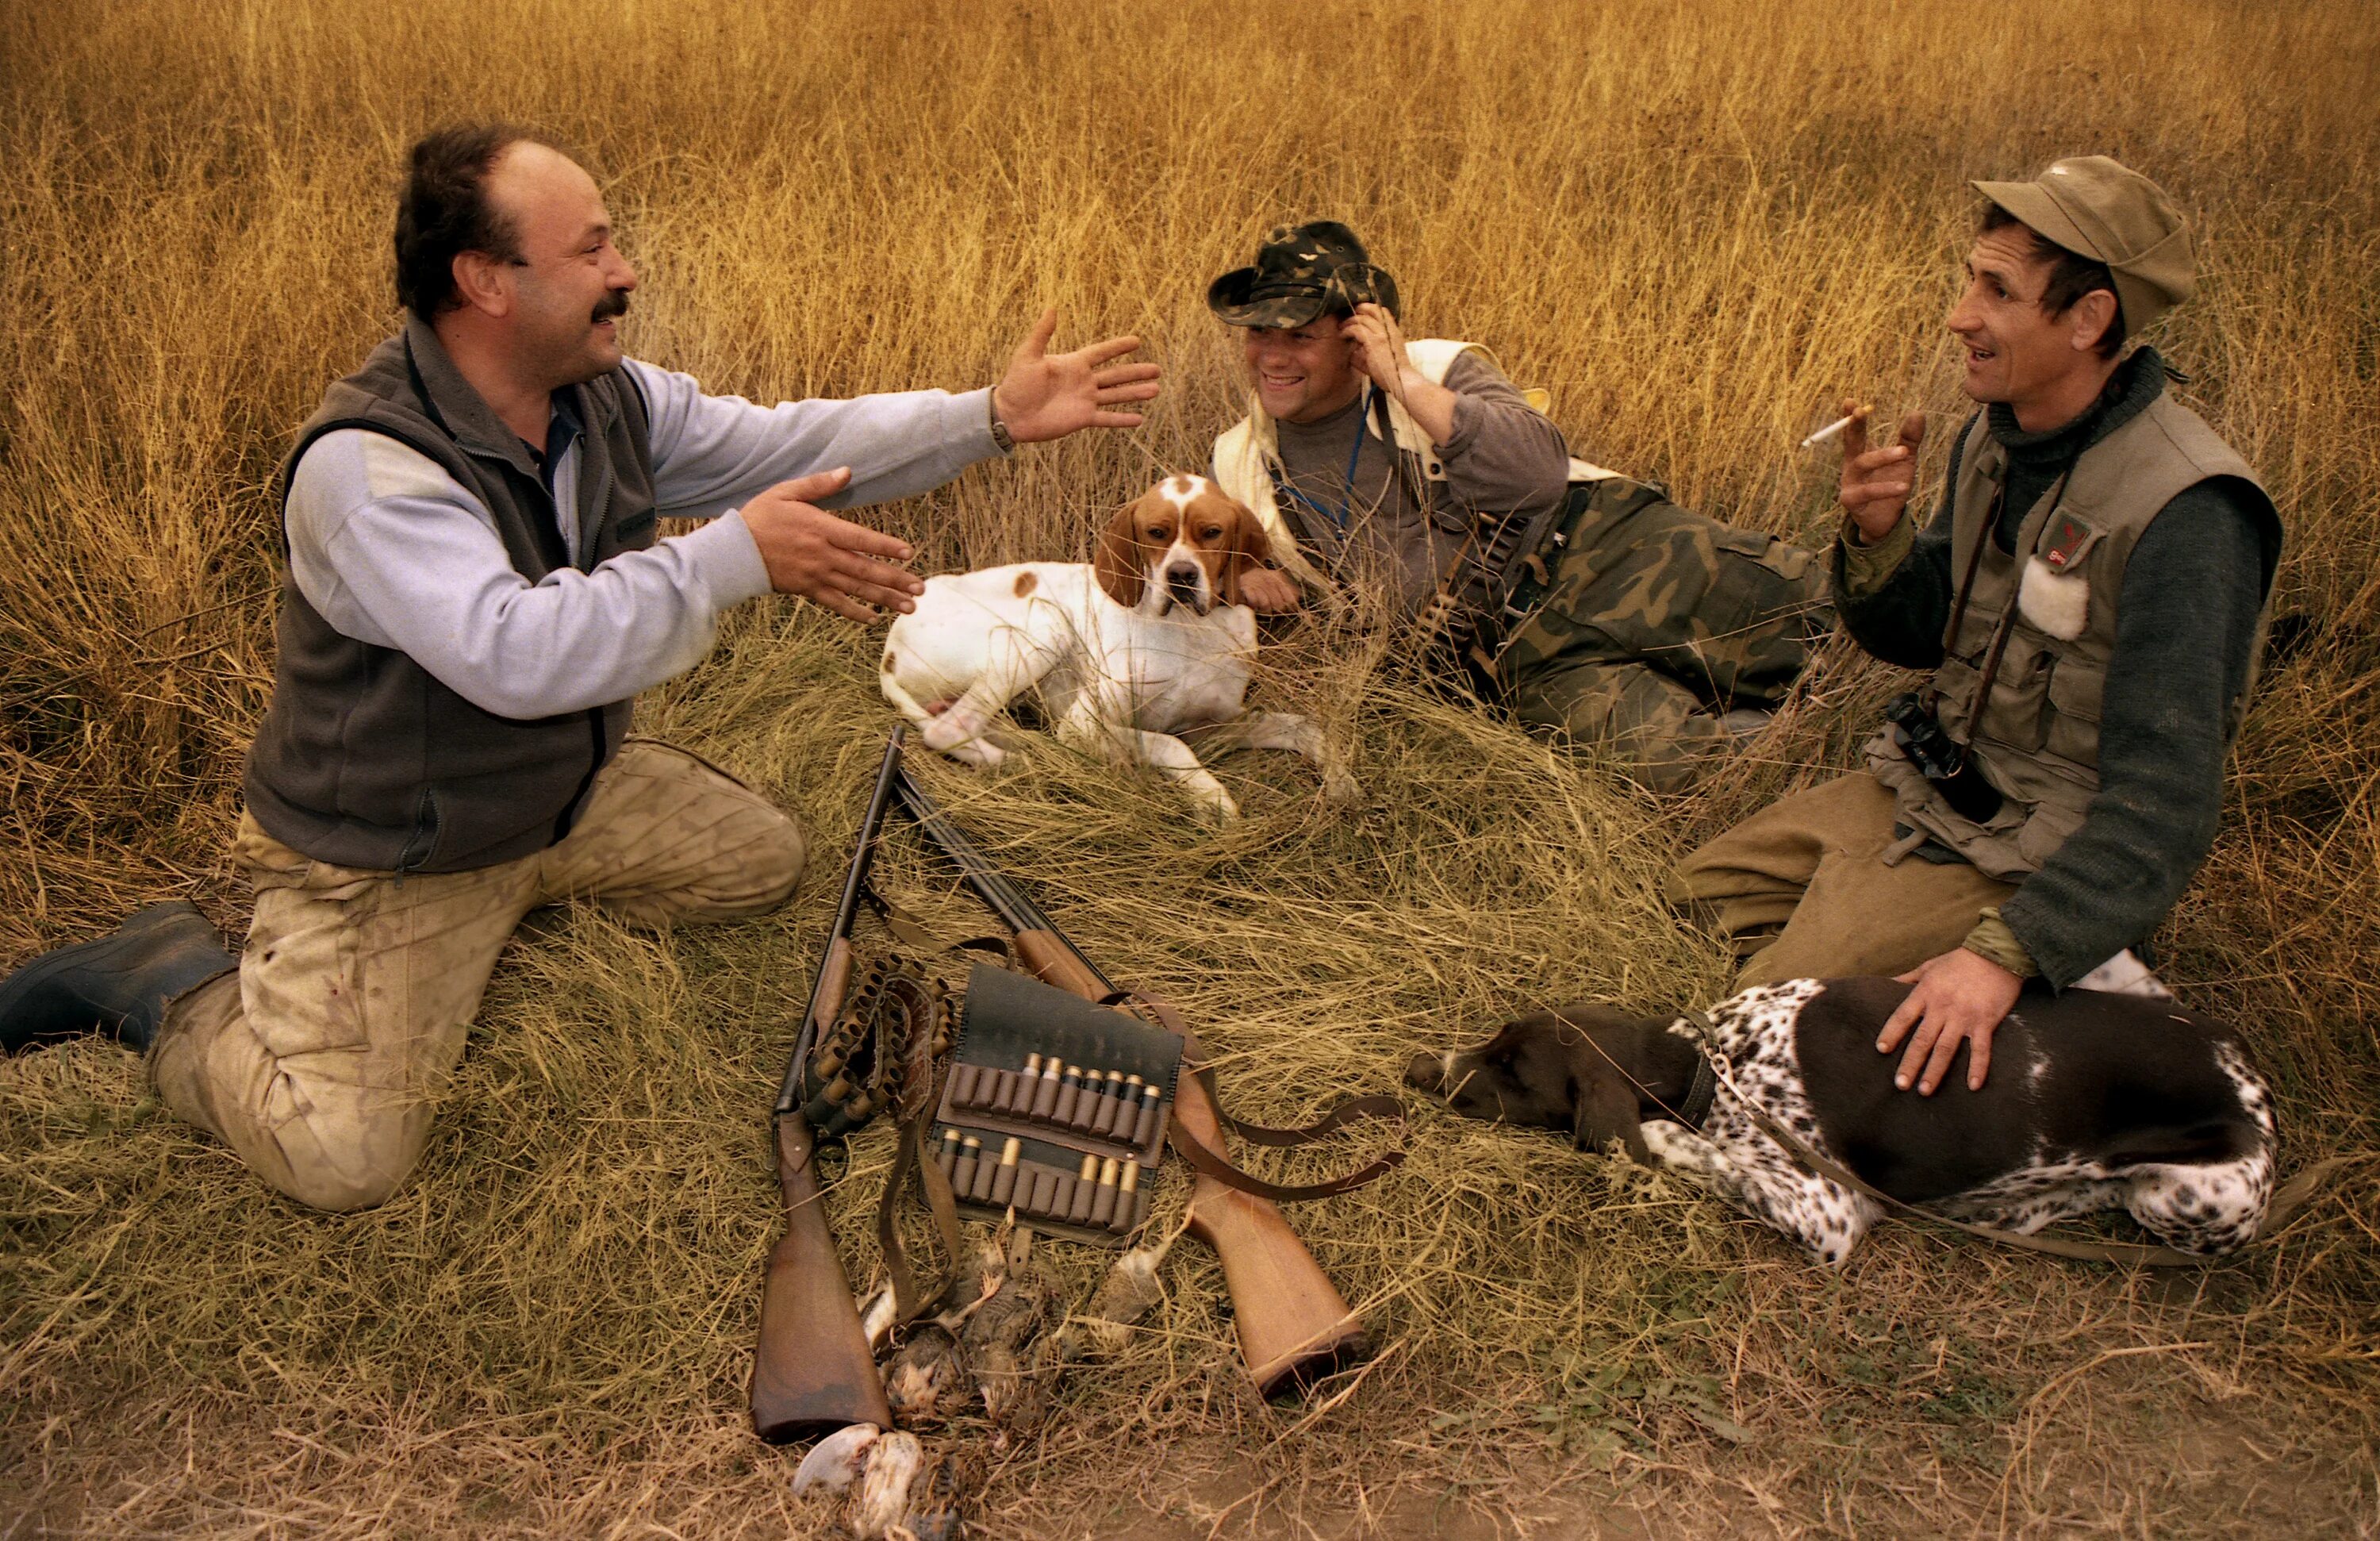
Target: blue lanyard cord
[{"x": 1346, "y": 511}]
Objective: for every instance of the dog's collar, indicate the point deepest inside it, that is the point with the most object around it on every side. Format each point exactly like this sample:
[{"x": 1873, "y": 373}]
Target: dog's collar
[{"x": 1704, "y": 1086}]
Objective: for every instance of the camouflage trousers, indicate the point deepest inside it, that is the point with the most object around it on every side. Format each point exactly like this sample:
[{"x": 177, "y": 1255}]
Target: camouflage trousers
[
  {"x": 1644, "y": 623},
  {"x": 321, "y": 1062}
]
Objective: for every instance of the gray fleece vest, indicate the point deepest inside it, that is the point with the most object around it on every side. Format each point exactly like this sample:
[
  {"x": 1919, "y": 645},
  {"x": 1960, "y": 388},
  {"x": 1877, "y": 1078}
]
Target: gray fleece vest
[{"x": 365, "y": 760}]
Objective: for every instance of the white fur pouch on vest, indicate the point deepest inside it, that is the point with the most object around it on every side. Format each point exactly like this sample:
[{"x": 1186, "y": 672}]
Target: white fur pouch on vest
[{"x": 2060, "y": 603}]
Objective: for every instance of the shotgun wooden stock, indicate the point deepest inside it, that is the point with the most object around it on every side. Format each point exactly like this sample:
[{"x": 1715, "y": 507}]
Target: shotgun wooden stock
[
  {"x": 812, "y": 1371},
  {"x": 1294, "y": 1325}
]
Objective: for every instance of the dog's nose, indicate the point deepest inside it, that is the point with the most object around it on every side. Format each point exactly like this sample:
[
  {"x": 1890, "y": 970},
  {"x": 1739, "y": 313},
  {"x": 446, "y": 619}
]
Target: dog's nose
[
  {"x": 1426, "y": 1072},
  {"x": 1183, "y": 574}
]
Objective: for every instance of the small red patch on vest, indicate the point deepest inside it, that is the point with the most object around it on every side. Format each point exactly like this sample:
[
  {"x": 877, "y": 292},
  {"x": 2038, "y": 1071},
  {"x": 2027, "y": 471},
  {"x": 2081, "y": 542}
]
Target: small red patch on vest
[
  {"x": 2064, "y": 541},
  {"x": 1024, "y": 582}
]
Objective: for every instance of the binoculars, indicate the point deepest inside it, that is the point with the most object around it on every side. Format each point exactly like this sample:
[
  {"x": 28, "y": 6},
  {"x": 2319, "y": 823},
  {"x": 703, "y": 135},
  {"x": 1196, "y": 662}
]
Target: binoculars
[{"x": 1940, "y": 759}]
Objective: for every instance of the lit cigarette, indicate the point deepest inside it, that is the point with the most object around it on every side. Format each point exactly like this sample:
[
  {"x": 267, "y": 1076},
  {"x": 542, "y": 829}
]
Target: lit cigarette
[{"x": 1815, "y": 440}]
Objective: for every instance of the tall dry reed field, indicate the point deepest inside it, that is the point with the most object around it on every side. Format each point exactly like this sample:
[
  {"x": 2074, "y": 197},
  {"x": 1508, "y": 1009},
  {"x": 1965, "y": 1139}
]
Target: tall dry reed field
[{"x": 1695, "y": 224}]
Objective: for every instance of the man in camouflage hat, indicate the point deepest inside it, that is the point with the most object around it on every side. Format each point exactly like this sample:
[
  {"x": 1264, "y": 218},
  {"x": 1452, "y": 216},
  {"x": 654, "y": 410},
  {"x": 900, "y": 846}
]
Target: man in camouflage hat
[
  {"x": 2090, "y": 600},
  {"x": 1415, "y": 481}
]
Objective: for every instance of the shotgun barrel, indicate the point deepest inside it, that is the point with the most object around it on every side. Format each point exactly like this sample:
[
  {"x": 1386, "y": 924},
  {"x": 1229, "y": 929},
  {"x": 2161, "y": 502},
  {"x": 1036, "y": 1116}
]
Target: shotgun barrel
[
  {"x": 1294, "y": 1325},
  {"x": 812, "y": 1371}
]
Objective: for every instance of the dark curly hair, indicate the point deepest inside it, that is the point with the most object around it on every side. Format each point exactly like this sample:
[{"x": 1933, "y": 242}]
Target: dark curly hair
[
  {"x": 444, "y": 210},
  {"x": 2071, "y": 276}
]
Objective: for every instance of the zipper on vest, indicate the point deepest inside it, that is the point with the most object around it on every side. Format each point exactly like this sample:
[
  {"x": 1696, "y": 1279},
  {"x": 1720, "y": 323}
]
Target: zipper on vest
[{"x": 594, "y": 714}]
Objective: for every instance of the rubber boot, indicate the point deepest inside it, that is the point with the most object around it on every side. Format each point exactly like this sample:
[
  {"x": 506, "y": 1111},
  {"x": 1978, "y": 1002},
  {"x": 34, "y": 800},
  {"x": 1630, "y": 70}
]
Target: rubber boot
[{"x": 118, "y": 984}]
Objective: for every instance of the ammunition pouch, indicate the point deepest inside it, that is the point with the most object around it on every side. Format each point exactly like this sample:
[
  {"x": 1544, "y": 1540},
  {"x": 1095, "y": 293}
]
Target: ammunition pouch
[{"x": 881, "y": 1050}]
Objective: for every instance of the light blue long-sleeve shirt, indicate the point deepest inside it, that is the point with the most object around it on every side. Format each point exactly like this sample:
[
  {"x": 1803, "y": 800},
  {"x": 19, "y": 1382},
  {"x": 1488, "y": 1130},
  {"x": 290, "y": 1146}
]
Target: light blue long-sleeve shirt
[{"x": 392, "y": 550}]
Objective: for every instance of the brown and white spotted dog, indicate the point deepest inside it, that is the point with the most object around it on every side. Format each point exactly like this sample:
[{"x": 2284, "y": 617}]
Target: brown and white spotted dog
[
  {"x": 2095, "y": 1101},
  {"x": 1146, "y": 641}
]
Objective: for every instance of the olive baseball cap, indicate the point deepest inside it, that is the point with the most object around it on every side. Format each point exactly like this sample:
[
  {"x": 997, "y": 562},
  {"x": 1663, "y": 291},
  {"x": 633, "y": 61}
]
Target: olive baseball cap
[
  {"x": 1302, "y": 272},
  {"x": 2099, "y": 207}
]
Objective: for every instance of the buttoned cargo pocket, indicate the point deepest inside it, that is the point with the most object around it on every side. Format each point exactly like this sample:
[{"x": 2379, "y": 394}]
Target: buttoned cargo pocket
[
  {"x": 2075, "y": 694},
  {"x": 2018, "y": 714}
]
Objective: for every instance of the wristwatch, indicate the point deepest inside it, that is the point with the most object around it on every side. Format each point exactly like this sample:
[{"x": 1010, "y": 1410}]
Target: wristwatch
[{"x": 1001, "y": 439}]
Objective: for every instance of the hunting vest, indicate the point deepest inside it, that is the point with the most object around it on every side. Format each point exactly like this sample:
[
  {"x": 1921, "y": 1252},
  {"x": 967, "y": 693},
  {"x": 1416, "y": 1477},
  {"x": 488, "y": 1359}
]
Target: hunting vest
[
  {"x": 1248, "y": 454},
  {"x": 2036, "y": 734},
  {"x": 365, "y": 760}
]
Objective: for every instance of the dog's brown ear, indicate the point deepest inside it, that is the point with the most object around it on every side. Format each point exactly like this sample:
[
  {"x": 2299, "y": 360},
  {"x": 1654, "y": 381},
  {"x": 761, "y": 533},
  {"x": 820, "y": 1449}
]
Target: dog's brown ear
[
  {"x": 1251, "y": 551},
  {"x": 1116, "y": 561},
  {"x": 1603, "y": 1109}
]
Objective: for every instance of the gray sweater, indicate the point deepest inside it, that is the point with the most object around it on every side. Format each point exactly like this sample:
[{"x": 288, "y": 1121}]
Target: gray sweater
[
  {"x": 1505, "y": 457},
  {"x": 2185, "y": 635}
]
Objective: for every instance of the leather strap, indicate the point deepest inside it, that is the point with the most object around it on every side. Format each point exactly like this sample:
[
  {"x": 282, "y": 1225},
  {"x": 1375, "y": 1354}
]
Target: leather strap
[
  {"x": 909, "y": 1302},
  {"x": 2292, "y": 1196},
  {"x": 1213, "y": 1164}
]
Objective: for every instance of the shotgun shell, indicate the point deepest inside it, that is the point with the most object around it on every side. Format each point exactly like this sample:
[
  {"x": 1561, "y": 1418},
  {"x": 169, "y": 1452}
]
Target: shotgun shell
[
  {"x": 963, "y": 1170},
  {"x": 1045, "y": 1094},
  {"x": 1127, "y": 1203},
  {"x": 1086, "y": 1107},
  {"x": 1020, "y": 1090},
  {"x": 1085, "y": 1189},
  {"x": 1004, "y": 1179},
  {"x": 962, "y": 1080},
  {"x": 1058, "y": 1198},
  {"x": 1127, "y": 1114},
  {"x": 1110, "y": 1105},
  {"x": 1144, "y": 1129},
  {"x": 947, "y": 1158},
  {"x": 1103, "y": 1201},
  {"x": 1070, "y": 1091}
]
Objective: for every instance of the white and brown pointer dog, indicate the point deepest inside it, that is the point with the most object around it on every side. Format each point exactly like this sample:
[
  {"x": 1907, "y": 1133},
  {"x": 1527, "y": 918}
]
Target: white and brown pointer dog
[
  {"x": 1146, "y": 641},
  {"x": 2095, "y": 1101}
]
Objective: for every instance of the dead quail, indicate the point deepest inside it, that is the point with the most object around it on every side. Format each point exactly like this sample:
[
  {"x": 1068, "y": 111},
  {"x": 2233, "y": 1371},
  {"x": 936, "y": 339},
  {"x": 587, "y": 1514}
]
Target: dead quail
[
  {"x": 1013, "y": 1314},
  {"x": 926, "y": 1380},
  {"x": 835, "y": 1462},
  {"x": 1018, "y": 1403},
  {"x": 938, "y": 1499},
  {"x": 882, "y": 1497},
  {"x": 1128, "y": 1294}
]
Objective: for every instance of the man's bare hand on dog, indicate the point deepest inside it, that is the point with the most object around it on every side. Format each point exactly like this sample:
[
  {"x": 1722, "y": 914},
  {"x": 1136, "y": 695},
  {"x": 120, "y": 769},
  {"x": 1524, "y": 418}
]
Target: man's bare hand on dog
[
  {"x": 1961, "y": 997},
  {"x": 847, "y": 567},
  {"x": 1047, "y": 395},
  {"x": 1268, "y": 592}
]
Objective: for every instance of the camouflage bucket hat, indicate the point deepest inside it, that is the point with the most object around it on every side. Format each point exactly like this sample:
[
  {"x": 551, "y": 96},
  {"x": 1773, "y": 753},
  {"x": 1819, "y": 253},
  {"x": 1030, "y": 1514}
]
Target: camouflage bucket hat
[{"x": 1302, "y": 272}]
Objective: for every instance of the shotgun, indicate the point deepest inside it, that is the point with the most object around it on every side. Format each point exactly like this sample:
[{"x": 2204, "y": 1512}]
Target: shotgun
[
  {"x": 1293, "y": 1327},
  {"x": 813, "y": 1373}
]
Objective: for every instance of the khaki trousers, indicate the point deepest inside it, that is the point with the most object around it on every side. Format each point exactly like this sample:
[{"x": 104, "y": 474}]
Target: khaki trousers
[
  {"x": 1802, "y": 891},
  {"x": 321, "y": 1061}
]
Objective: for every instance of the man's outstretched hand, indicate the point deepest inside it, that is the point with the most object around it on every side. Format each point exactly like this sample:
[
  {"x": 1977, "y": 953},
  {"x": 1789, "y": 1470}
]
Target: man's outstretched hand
[
  {"x": 1047, "y": 395},
  {"x": 845, "y": 566},
  {"x": 1960, "y": 998}
]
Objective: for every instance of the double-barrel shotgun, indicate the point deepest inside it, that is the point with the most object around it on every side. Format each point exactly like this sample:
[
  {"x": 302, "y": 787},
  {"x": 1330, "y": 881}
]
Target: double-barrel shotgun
[{"x": 813, "y": 1373}]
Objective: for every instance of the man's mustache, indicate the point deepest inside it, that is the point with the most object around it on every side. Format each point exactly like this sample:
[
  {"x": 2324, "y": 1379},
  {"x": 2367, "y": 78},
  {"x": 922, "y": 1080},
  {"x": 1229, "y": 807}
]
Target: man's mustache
[{"x": 611, "y": 304}]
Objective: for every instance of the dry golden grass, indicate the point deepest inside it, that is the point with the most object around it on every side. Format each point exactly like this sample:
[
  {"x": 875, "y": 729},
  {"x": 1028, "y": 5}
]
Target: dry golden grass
[{"x": 1693, "y": 223}]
